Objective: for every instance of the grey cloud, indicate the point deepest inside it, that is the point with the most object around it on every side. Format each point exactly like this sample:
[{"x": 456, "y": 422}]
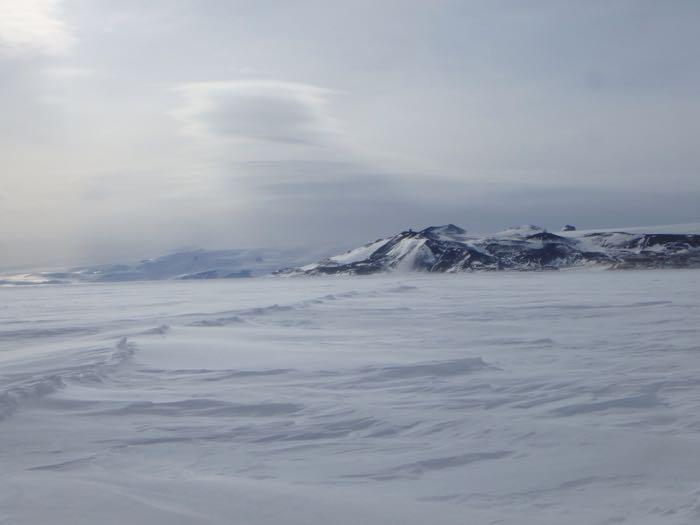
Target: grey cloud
[
  {"x": 257, "y": 111},
  {"x": 322, "y": 202},
  {"x": 313, "y": 121}
]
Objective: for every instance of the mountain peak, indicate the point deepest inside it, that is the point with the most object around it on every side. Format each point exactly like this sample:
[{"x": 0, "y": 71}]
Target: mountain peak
[
  {"x": 446, "y": 228},
  {"x": 446, "y": 232}
]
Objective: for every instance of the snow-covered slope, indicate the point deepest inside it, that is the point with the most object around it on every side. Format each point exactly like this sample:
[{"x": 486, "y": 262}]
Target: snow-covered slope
[
  {"x": 536, "y": 398},
  {"x": 450, "y": 249}
]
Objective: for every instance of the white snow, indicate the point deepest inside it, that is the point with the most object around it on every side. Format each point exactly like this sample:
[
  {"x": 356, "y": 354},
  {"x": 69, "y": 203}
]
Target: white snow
[
  {"x": 681, "y": 229},
  {"x": 520, "y": 231},
  {"x": 187, "y": 264},
  {"x": 359, "y": 254},
  {"x": 511, "y": 398},
  {"x": 617, "y": 236},
  {"x": 407, "y": 251}
]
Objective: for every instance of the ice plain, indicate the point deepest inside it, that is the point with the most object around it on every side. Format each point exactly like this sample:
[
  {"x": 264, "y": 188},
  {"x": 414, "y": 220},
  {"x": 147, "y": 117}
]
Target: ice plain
[{"x": 514, "y": 398}]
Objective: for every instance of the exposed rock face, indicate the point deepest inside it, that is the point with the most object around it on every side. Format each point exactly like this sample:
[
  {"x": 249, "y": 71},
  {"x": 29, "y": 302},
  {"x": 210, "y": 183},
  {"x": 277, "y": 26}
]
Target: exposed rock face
[
  {"x": 526, "y": 248},
  {"x": 568, "y": 228}
]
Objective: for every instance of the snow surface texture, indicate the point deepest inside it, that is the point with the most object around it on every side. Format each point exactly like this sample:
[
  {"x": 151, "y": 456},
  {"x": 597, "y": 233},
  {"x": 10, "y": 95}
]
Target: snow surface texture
[
  {"x": 451, "y": 249},
  {"x": 517, "y": 398}
]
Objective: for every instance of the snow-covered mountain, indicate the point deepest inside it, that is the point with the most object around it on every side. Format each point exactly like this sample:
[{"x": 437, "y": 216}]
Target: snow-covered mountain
[
  {"x": 449, "y": 248},
  {"x": 184, "y": 264},
  {"x": 194, "y": 264},
  {"x": 446, "y": 248}
]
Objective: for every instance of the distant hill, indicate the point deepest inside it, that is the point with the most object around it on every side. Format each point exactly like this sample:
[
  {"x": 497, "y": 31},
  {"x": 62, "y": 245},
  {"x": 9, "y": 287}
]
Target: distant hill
[{"x": 187, "y": 264}]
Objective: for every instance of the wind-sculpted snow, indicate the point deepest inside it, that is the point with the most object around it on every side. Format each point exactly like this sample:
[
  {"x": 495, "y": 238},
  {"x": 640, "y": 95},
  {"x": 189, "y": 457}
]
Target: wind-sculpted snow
[
  {"x": 88, "y": 365},
  {"x": 514, "y": 398},
  {"x": 526, "y": 248}
]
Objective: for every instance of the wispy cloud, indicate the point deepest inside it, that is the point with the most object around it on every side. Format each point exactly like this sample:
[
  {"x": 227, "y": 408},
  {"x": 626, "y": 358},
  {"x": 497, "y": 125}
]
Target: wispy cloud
[{"x": 33, "y": 26}]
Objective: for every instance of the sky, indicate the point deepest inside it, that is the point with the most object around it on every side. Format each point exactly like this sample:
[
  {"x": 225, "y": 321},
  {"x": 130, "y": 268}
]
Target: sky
[{"x": 131, "y": 128}]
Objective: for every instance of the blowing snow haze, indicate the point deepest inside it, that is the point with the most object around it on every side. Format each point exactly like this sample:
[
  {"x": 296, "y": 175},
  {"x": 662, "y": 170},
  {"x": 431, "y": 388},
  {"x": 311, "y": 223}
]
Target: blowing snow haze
[{"x": 131, "y": 128}]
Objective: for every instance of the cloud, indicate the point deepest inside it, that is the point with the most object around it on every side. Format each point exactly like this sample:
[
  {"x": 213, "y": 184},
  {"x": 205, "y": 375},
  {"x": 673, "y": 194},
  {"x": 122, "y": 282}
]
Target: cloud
[
  {"x": 257, "y": 111},
  {"x": 33, "y": 26},
  {"x": 484, "y": 114}
]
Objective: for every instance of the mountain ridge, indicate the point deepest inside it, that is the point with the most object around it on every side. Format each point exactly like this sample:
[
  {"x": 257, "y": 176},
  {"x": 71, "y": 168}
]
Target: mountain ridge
[
  {"x": 450, "y": 249},
  {"x": 447, "y": 248}
]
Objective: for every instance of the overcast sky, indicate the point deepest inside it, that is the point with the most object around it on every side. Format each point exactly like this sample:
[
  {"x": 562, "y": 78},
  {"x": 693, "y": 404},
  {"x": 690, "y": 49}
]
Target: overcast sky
[{"x": 131, "y": 127}]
